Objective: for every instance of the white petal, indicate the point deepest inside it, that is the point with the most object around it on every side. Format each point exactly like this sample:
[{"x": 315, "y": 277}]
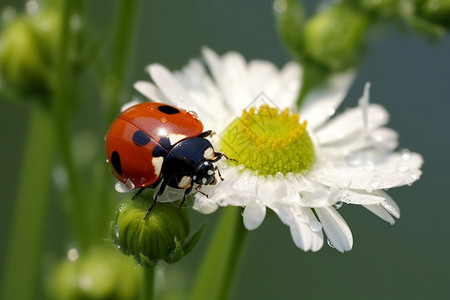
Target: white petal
[
  {"x": 207, "y": 100},
  {"x": 129, "y": 104},
  {"x": 306, "y": 231},
  {"x": 381, "y": 212},
  {"x": 336, "y": 229},
  {"x": 389, "y": 204},
  {"x": 168, "y": 85},
  {"x": 383, "y": 138},
  {"x": 362, "y": 198},
  {"x": 150, "y": 91},
  {"x": 350, "y": 123},
  {"x": 204, "y": 205},
  {"x": 289, "y": 86},
  {"x": 392, "y": 171},
  {"x": 254, "y": 214},
  {"x": 263, "y": 77},
  {"x": 322, "y": 102}
]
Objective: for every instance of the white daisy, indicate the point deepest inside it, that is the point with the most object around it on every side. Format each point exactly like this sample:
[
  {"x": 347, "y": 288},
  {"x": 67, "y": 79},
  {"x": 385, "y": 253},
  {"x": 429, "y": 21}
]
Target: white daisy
[{"x": 302, "y": 170}]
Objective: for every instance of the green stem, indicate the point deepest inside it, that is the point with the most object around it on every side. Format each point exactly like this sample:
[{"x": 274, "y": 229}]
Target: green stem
[
  {"x": 121, "y": 52},
  {"x": 20, "y": 275},
  {"x": 148, "y": 284},
  {"x": 61, "y": 108},
  {"x": 218, "y": 269}
]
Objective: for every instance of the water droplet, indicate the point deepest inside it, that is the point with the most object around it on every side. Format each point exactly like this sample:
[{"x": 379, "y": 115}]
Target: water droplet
[
  {"x": 116, "y": 230},
  {"x": 130, "y": 184},
  {"x": 405, "y": 154},
  {"x": 338, "y": 204},
  {"x": 329, "y": 243},
  {"x": 330, "y": 111},
  {"x": 121, "y": 187},
  {"x": 414, "y": 175},
  {"x": 315, "y": 226},
  {"x": 402, "y": 167},
  {"x": 355, "y": 159},
  {"x": 376, "y": 182},
  {"x": 193, "y": 113}
]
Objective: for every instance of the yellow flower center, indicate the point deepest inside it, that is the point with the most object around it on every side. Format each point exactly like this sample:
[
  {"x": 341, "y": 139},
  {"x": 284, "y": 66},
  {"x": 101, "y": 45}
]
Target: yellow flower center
[{"x": 269, "y": 142}]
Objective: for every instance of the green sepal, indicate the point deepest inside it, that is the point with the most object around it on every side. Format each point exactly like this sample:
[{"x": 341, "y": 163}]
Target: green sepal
[
  {"x": 177, "y": 253},
  {"x": 192, "y": 242}
]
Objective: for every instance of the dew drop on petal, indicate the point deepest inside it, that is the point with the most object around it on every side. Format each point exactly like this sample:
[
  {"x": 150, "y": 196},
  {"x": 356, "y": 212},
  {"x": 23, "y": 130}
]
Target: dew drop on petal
[
  {"x": 338, "y": 204},
  {"x": 355, "y": 159},
  {"x": 405, "y": 154},
  {"x": 402, "y": 167},
  {"x": 315, "y": 226},
  {"x": 375, "y": 183},
  {"x": 329, "y": 243}
]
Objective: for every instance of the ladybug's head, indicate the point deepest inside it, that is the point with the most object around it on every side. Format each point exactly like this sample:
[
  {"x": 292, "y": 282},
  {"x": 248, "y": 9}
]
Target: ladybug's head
[{"x": 205, "y": 174}]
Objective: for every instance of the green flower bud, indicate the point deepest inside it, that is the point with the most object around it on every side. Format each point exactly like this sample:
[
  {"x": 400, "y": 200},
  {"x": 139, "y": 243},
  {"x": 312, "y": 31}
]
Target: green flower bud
[
  {"x": 103, "y": 273},
  {"x": 27, "y": 54},
  {"x": 335, "y": 37},
  {"x": 436, "y": 11},
  {"x": 160, "y": 236}
]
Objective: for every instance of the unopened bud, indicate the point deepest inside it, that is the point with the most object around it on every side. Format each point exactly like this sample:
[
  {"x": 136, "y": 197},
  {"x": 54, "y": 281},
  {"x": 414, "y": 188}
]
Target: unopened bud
[
  {"x": 101, "y": 273},
  {"x": 27, "y": 54},
  {"x": 335, "y": 37},
  {"x": 161, "y": 236}
]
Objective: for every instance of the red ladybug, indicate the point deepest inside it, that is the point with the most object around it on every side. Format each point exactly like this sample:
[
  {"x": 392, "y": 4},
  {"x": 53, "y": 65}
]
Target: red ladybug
[{"x": 153, "y": 142}]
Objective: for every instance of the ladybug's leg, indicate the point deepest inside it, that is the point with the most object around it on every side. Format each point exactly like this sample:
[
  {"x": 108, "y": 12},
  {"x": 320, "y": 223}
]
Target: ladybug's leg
[
  {"x": 206, "y": 133},
  {"x": 198, "y": 187},
  {"x": 139, "y": 192},
  {"x": 216, "y": 168},
  {"x": 219, "y": 155},
  {"x": 158, "y": 193},
  {"x": 186, "y": 192}
]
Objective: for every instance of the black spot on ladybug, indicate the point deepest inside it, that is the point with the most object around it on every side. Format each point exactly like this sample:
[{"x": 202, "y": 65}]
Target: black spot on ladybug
[
  {"x": 165, "y": 142},
  {"x": 169, "y": 110},
  {"x": 115, "y": 161},
  {"x": 159, "y": 151},
  {"x": 140, "y": 138}
]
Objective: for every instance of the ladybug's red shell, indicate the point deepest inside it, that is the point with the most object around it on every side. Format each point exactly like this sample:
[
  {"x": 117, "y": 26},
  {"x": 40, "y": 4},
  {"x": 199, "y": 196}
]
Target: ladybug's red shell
[{"x": 139, "y": 139}]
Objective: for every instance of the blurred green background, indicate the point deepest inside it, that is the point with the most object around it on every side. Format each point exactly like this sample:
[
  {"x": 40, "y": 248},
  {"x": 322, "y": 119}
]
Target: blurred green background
[{"x": 410, "y": 77}]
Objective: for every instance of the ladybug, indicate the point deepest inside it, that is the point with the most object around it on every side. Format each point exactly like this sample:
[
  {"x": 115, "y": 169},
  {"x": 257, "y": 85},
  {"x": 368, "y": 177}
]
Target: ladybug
[{"x": 152, "y": 143}]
